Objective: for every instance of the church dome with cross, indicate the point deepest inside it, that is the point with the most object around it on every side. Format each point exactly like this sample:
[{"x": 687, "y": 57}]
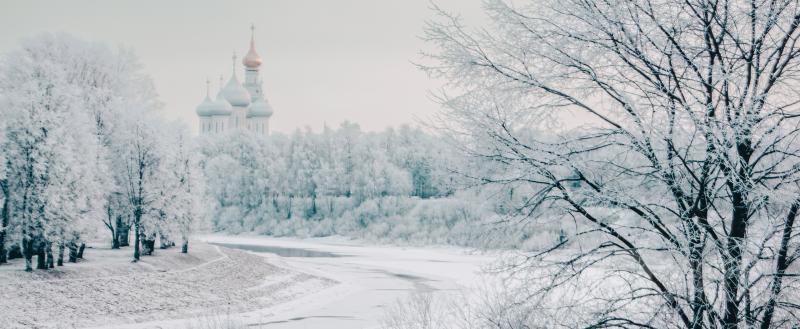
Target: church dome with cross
[{"x": 238, "y": 106}]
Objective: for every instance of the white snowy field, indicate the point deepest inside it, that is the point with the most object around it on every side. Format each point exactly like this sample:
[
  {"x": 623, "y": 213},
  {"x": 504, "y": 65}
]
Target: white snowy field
[
  {"x": 309, "y": 283},
  {"x": 107, "y": 290}
]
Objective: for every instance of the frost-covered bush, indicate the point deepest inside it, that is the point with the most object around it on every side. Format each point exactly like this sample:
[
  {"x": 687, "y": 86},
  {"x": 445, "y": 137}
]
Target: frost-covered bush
[{"x": 422, "y": 310}]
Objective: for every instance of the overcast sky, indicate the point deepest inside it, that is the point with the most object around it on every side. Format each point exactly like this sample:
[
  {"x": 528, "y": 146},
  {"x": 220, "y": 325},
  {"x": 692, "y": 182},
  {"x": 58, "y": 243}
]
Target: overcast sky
[{"x": 324, "y": 60}]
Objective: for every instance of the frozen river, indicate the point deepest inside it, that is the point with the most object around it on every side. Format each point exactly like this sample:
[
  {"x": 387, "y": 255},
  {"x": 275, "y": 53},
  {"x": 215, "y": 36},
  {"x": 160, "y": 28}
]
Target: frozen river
[{"x": 371, "y": 278}]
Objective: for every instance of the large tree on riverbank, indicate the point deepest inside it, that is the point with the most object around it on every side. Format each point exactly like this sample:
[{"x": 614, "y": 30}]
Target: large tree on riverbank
[{"x": 681, "y": 187}]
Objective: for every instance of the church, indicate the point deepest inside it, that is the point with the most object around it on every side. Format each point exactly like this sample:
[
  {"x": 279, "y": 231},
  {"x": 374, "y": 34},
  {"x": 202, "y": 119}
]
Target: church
[{"x": 237, "y": 106}]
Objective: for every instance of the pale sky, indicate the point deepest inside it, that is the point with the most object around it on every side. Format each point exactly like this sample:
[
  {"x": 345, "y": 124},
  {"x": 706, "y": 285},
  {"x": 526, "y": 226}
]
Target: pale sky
[{"x": 325, "y": 61}]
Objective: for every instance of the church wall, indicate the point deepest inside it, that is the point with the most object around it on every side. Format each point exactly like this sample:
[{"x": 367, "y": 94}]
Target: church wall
[
  {"x": 238, "y": 118},
  {"x": 259, "y": 125}
]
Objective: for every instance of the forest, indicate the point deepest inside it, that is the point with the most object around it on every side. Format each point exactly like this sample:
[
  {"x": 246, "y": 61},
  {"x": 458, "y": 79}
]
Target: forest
[
  {"x": 402, "y": 185},
  {"x": 84, "y": 153}
]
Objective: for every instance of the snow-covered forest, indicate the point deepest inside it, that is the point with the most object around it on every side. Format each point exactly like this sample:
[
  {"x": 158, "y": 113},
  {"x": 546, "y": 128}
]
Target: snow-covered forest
[
  {"x": 85, "y": 153},
  {"x": 401, "y": 185}
]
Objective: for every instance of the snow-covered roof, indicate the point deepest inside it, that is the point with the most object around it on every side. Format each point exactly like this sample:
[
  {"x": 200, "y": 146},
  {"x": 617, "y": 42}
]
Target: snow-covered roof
[
  {"x": 259, "y": 109},
  {"x": 206, "y": 107},
  {"x": 221, "y": 106},
  {"x": 235, "y": 93}
]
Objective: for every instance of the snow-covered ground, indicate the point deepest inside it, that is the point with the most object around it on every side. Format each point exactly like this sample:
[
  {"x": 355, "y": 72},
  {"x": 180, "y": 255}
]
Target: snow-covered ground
[
  {"x": 371, "y": 278},
  {"x": 317, "y": 283},
  {"x": 107, "y": 290}
]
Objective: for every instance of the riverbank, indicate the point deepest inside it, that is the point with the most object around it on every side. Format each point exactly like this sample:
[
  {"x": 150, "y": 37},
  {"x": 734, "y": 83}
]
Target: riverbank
[
  {"x": 371, "y": 278},
  {"x": 107, "y": 290}
]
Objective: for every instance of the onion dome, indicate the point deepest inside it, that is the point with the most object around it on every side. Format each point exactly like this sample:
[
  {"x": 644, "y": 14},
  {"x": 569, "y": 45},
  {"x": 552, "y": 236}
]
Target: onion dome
[
  {"x": 207, "y": 106},
  {"x": 259, "y": 109},
  {"x": 220, "y": 106},
  {"x": 252, "y": 60},
  {"x": 234, "y": 92}
]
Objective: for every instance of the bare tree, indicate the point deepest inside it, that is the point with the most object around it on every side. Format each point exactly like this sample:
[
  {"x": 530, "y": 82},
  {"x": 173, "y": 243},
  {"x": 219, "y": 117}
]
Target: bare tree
[{"x": 680, "y": 185}]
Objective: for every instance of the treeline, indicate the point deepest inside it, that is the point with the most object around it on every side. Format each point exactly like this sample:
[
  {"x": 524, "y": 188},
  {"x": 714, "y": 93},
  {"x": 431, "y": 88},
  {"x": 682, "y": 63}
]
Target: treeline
[
  {"x": 83, "y": 150},
  {"x": 310, "y": 175},
  {"x": 401, "y": 184}
]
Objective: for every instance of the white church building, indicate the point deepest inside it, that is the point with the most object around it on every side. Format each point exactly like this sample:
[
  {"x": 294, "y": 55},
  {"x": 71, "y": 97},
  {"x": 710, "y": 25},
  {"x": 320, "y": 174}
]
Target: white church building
[{"x": 237, "y": 106}]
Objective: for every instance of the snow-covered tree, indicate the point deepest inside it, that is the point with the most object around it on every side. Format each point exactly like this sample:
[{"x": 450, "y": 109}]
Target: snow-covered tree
[
  {"x": 304, "y": 162},
  {"x": 49, "y": 146},
  {"x": 181, "y": 188},
  {"x": 140, "y": 156},
  {"x": 679, "y": 190}
]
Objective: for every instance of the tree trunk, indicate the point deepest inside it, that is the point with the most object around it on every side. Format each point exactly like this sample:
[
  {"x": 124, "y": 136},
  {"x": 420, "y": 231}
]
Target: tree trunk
[
  {"x": 117, "y": 234},
  {"x": 148, "y": 245},
  {"x": 289, "y": 208},
  {"x": 60, "y": 254},
  {"x": 73, "y": 252},
  {"x": 781, "y": 265},
  {"x": 151, "y": 246},
  {"x": 80, "y": 250},
  {"x": 3, "y": 252},
  {"x": 313, "y": 205},
  {"x": 49, "y": 253},
  {"x": 123, "y": 230},
  {"x": 111, "y": 227},
  {"x": 137, "y": 216},
  {"x": 165, "y": 242},
  {"x": 185, "y": 246},
  {"x": 15, "y": 251},
  {"x": 736, "y": 236},
  {"x": 3, "y": 222},
  {"x": 41, "y": 261},
  {"x": 27, "y": 251}
]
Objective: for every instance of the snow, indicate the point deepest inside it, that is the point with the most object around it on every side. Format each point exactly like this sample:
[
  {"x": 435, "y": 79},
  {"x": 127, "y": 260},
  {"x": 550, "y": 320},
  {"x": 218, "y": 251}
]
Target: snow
[
  {"x": 371, "y": 278},
  {"x": 213, "y": 284},
  {"x": 216, "y": 284},
  {"x": 107, "y": 290}
]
